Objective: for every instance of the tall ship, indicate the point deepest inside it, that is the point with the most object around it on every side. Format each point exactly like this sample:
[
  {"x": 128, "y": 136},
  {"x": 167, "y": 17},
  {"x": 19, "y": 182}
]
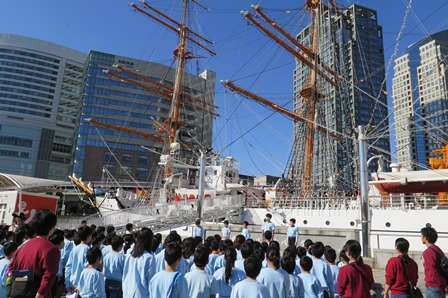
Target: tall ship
[{"x": 339, "y": 174}]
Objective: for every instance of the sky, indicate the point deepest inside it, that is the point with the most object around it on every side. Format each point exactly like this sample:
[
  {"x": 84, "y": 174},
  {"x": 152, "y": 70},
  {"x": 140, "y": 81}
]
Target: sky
[{"x": 260, "y": 139}]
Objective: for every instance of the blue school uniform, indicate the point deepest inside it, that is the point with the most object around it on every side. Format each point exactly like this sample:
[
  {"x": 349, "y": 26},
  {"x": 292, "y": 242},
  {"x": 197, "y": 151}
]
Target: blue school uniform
[
  {"x": 323, "y": 273},
  {"x": 107, "y": 249},
  {"x": 211, "y": 261},
  {"x": 240, "y": 264},
  {"x": 130, "y": 249},
  {"x": 137, "y": 273},
  {"x": 220, "y": 262},
  {"x": 208, "y": 269},
  {"x": 76, "y": 263},
  {"x": 311, "y": 286},
  {"x": 294, "y": 233},
  {"x": 245, "y": 233},
  {"x": 225, "y": 232},
  {"x": 252, "y": 289},
  {"x": 161, "y": 263},
  {"x": 268, "y": 226},
  {"x": 65, "y": 253},
  {"x": 113, "y": 264},
  {"x": 335, "y": 272},
  {"x": 168, "y": 284},
  {"x": 225, "y": 289},
  {"x": 4, "y": 263},
  {"x": 91, "y": 284},
  {"x": 198, "y": 232},
  {"x": 295, "y": 284},
  {"x": 200, "y": 284},
  {"x": 277, "y": 282}
]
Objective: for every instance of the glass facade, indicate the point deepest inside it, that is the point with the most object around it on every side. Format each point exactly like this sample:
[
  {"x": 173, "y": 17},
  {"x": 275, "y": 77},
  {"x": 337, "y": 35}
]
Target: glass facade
[
  {"x": 39, "y": 98},
  {"x": 120, "y": 103},
  {"x": 351, "y": 44},
  {"x": 420, "y": 101}
]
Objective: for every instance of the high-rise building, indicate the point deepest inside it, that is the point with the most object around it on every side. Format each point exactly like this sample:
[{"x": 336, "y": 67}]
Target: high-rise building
[
  {"x": 40, "y": 83},
  {"x": 349, "y": 42},
  {"x": 420, "y": 101},
  {"x": 114, "y": 101}
]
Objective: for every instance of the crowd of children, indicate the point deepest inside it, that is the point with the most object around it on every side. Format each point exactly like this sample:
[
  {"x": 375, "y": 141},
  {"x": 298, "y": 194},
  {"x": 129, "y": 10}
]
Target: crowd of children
[{"x": 96, "y": 262}]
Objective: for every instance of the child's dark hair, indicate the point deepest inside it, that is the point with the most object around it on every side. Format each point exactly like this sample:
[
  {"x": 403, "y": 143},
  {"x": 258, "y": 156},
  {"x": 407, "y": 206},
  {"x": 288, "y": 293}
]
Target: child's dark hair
[
  {"x": 69, "y": 233},
  {"x": 117, "y": 242},
  {"x": 260, "y": 254},
  {"x": 110, "y": 229},
  {"x": 157, "y": 239},
  {"x": 264, "y": 246},
  {"x": 84, "y": 232},
  {"x": 57, "y": 238},
  {"x": 318, "y": 249},
  {"x": 330, "y": 255},
  {"x": 354, "y": 248},
  {"x": 306, "y": 263},
  {"x": 289, "y": 252},
  {"x": 128, "y": 241},
  {"x": 226, "y": 222},
  {"x": 201, "y": 256},
  {"x": 143, "y": 242},
  {"x": 343, "y": 255},
  {"x": 252, "y": 266},
  {"x": 288, "y": 264},
  {"x": 239, "y": 240},
  {"x": 173, "y": 252},
  {"x": 268, "y": 235},
  {"x": 230, "y": 257},
  {"x": 293, "y": 220},
  {"x": 307, "y": 243},
  {"x": 188, "y": 247},
  {"x": 198, "y": 222},
  {"x": 246, "y": 250},
  {"x": 93, "y": 254},
  {"x": 214, "y": 245},
  {"x": 129, "y": 227},
  {"x": 9, "y": 248},
  {"x": 402, "y": 246},
  {"x": 430, "y": 234},
  {"x": 269, "y": 215},
  {"x": 173, "y": 236},
  {"x": 245, "y": 223},
  {"x": 98, "y": 239},
  {"x": 273, "y": 255}
]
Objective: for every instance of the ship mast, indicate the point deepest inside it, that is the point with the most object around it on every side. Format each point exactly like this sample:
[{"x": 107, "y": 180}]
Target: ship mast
[{"x": 309, "y": 57}]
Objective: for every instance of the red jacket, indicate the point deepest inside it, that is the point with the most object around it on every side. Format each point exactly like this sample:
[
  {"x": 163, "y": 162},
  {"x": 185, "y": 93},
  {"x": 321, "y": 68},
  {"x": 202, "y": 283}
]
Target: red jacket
[
  {"x": 353, "y": 284},
  {"x": 395, "y": 276},
  {"x": 434, "y": 278},
  {"x": 41, "y": 255}
]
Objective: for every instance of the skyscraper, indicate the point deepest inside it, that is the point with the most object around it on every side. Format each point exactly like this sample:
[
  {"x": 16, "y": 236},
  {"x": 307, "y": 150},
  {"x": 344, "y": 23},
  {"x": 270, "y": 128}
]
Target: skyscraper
[
  {"x": 114, "y": 101},
  {"x": 349, "y": 42},
  {"x": 40, "y": 83},
  {"x": 420, "y": 101}
]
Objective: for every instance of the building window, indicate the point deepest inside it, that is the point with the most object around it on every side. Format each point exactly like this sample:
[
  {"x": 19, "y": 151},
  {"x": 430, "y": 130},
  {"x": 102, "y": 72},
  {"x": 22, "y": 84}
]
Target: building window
[
  {"x": 143, "y": 160},
  {"x": 142, "y": 172},
  {"x": 127, "y": 158}
]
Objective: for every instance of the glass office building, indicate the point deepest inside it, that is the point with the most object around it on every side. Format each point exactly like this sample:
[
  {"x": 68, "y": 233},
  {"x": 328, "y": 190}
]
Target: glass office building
[
  {"x": 40, "y": 84},
  {"x": 420, "y": 101}
]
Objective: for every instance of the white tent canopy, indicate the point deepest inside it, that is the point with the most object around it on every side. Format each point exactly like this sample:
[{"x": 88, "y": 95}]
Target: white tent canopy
[{"x": 30, "y": 184}]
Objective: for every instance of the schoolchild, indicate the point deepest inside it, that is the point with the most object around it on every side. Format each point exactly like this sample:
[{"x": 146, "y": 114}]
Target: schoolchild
[
  {"x": 169, "y": 283},
  {"x": 69, "y": 235},
  {"x": 273, "y": 277},
  {"x": 128, "y": 244},
  {"x": 293, "y": 233},
  {"x": 250, "y": 287},
  {"x": 139, "y": 267},
  {"x": 267, "y": 226},
  {"x": 301, "y": 252},
  {"x": 173, "y": 236},
  {"x": 435, "y": 281},
  {"x": 226, "y": 230},
  {"x": 77, "y": 260},
  {"x": 246, "y": 251},
  {"x": 343, "y": 259},
  {"x": 200, "y": 283},
  {"x": 291, "y": 252},
  {"x": 289, "y": 264},
  {"x": 3, "y": 241},
  {"x": 311, "y": 285},
  {"x": 220, "y": 262},
  {"x": 113, "y": 264},
  {"x": 198, "y": 230},
  {"x": 129, "y": 229},
  {"x": 91, "y": 281},
  {"x": 260, "y": 254},
  {"x": 239, "y": 240},
  {"x": 330, "y": 258},
  {"x": 400, "y": 271},
  {"x": 188, "y": 247},
  {"x": 228, "y": 276},
  {"x": 245, "y": 231},
  {"x": 57, "y": 239},
  {"x": 321, "y": 269},
  {"x": 356, "y": 279},
  {"x": 8, "y": 250},
  {"x": 157, "y": 245}
]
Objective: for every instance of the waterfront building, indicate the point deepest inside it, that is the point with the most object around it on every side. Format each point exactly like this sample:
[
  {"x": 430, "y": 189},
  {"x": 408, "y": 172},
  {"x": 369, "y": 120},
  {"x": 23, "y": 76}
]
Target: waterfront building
[
  {"x": 420, "y": 101},
  {"x": 126, "y": 156},
  {"x": 39, "y": 98},
  {"x": 350, "y": 43}
]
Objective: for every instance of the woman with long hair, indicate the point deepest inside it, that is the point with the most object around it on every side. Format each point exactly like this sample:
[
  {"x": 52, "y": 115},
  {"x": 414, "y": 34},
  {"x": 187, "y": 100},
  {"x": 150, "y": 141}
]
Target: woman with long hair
[
  {"x": 356, "y": 279},
  {"x": 275, "y": 279},
  {"x": 139, "y": 267},
  {"x": 228, "y": 276},
  {"x": 400, "y": 270}
]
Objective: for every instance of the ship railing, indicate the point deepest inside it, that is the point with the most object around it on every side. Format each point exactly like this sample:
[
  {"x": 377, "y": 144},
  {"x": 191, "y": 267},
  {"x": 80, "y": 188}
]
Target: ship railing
[
  {"x": 169, "y": 213},
  {"x": 392, "y": 201}
]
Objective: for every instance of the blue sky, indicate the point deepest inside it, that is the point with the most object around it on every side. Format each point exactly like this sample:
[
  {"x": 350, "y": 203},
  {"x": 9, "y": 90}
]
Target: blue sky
[{"x": 244, "y": 54}]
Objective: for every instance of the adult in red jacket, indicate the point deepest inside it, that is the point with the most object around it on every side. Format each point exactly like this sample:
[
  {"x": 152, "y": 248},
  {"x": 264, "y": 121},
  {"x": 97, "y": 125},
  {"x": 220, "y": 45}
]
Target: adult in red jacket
[
  {"x": 39, "y": 254},
  {"x": 355, "y": 280},
  {"x": 435, "y": 281},
  {"x": 400, "y": 270}
]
